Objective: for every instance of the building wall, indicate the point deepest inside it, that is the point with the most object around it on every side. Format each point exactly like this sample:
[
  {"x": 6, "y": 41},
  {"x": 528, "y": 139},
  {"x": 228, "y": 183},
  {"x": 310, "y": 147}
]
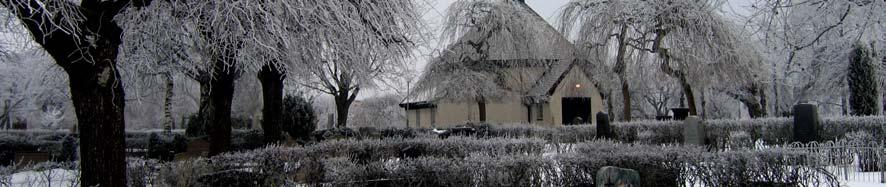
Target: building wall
[
  {"x": 512, "y": 110},
  {"x": 509, "y": 111},
  {"x": 567, "y": 88},
  {"x": 411, "y": 117}
]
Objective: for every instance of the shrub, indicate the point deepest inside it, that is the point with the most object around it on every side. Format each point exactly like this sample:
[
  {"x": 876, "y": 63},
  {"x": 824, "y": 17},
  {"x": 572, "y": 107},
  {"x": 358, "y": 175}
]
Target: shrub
[
  {"x": 165, "y": 145},
  {"x": 299, "y": 119},
  {"x": 247, "y": 140},
  {"x": 196, "y": 125}
]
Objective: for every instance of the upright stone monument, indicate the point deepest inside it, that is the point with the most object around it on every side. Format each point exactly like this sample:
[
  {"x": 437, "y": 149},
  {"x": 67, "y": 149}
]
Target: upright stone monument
[
  {"x": 614, "y": 176},
  {"x": 603, "y": 128},
  {"x": 806, "y": 123},
  {"x": 693, "y": 131}
]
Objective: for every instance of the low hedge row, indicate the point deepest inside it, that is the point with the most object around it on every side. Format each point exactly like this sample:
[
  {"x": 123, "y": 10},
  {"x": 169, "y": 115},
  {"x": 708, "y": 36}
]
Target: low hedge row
[
  {"x": 672, "y": 165},
  {"x": 719, "y": 133},
  {"x": 62, "y": 145}
]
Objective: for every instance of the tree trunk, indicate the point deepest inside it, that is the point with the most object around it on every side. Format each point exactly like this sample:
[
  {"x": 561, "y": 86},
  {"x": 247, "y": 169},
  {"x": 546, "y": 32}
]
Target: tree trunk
[
  {"x": 272, "y": 97},
  {"x": 755, "y": 109},
  {"x": 216, "y": 107},
  {"x": 167, "y": 102},
  {"x": 342, "y": 106},
  {"x": 626, "y": 99},
  {"x": 609, "y": 104},
  {"x": 690, "y": 97},
  {"x": 620, "y": 69},
  {"x": 90, "y": 59},
  {"x": 98, "y": 95}
]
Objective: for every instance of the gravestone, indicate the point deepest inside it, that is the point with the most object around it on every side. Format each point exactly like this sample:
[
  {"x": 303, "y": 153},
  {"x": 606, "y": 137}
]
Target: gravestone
[
  {"x": 806, "y": 123},
  {"x": 614, "y": 176},
  {"x": 603, "y": 128},
  {"x": 680, "y": 113},
  {"x": 31, "y": 157},
  {"x": 693, "y": 131}
]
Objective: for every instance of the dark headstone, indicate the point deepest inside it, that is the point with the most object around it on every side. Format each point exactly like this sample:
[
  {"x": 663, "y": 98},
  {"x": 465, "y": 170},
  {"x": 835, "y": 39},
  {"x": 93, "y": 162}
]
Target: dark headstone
[
  {"x": 31, "y": 157},
  {"x": 806, "y": 123},
  {"x": 614, "y": 176},
  {"x": 680, "y": 113},
  {"x": 603, "y": 128},
  {"x": 693, "y": 131},
  {"x": 236, "y": 178}
]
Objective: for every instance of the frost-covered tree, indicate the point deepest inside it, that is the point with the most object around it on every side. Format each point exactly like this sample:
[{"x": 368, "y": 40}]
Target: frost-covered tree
[
  {"x": 691, "y": 41},
  {"x": 31, "y": 87},
  {"x": 204, "y": 39},
  {"x": 478, "y": 33},
  {"x": 379, "y": 111},
  {"x": 347, "y": 46},
  {"x": 83, "y": 37},
  {"x": 862, "y": 80},
  {"x": 602, "y": 26},
  {"x": 808, "y": 45}
]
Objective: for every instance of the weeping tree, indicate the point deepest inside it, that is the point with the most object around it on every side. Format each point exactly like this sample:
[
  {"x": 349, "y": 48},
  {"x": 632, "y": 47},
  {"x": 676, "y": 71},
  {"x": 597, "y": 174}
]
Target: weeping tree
[
  {"x": 601, "y": 26},
  {"x": 83, "y": 37},
  {"x": 862, "y": 79},
  {"x": 690, "y": 40},
  {"x": 482, "y": 35}
]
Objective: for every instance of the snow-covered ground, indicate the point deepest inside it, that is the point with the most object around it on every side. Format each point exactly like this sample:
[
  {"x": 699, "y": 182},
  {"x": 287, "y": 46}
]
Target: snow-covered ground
[{"x": 53, "y": 177}]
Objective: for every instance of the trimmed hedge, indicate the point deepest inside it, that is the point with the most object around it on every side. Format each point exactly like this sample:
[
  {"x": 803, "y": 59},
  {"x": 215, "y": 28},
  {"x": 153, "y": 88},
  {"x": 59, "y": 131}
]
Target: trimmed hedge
[{"x": 334, "y": 164}]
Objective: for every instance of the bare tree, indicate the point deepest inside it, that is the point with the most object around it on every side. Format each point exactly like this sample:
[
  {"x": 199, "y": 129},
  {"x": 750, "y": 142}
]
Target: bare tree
[
  {"x": 83, "y": 37},
  {"x": 808, "y": 45}
]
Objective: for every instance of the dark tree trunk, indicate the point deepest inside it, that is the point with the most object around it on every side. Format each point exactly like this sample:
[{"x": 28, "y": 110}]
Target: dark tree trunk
[
  {"x": 342, "y": 106},
  {"x": 620, "y": 66},
  {"x": 272, "y": 97},
  {"x": 626, "y": 99},
  {"x": 216, "y": 107},
  {"x": 98, "y": 95},
  {"x": 96, "y": 88},
  {"x": 690, "y": 97},
  {"x": 609, "y": 104}
]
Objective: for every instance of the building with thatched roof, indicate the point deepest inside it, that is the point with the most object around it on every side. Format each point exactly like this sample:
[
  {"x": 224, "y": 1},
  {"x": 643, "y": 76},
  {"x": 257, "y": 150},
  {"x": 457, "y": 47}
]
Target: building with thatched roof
[{"x": 516, "y": 70}]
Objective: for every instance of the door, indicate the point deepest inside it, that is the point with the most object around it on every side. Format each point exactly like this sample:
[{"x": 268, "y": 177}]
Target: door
[{"x": 576, "y": 110}]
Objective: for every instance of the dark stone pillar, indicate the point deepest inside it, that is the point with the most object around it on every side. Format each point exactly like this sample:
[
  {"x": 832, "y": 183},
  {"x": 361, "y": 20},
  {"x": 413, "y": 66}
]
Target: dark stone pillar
[
  {"x": 806, "y": 123},
  {"x": 603, "y": 128}
]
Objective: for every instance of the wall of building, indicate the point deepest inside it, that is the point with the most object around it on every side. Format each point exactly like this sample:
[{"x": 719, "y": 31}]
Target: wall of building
[
  {"x": 567, "y": 88},
  {"x": 421, "y": 118},
  {"x": 512, "y": 110}
]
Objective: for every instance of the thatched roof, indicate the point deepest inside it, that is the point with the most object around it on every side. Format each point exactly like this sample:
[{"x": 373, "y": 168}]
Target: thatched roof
[{"x": 492, "y": 49}]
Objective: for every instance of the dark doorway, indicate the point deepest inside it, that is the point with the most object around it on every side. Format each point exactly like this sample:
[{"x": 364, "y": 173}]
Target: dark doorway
[{"x": 576, "y": 110}]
